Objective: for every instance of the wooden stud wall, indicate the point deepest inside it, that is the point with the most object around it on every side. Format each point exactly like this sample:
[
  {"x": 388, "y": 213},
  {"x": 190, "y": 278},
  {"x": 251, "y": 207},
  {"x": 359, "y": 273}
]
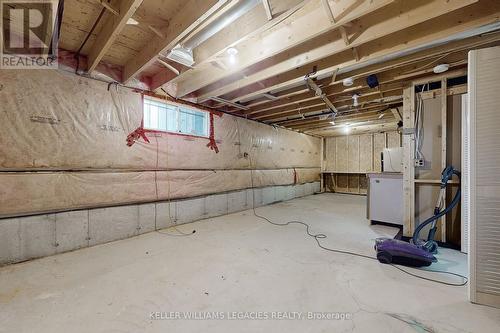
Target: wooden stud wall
[
  {"x": 410, "y": 179},
  {"x": 348, "y": 158}
]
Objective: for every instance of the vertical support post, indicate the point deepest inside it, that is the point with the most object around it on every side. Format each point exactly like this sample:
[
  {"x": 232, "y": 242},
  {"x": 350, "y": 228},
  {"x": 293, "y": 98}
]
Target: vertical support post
[
  {"x": 372, "y": 137},
  {"x": 359, "y": 185},
  {"x": 322, "y": 165},
  {"x": 408, "y": 160},
  {"x": 444, "y": 108}
]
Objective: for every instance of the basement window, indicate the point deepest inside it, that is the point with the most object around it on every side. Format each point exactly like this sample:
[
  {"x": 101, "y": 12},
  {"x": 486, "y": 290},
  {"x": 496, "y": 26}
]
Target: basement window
[{"x": 169, "y": 117}]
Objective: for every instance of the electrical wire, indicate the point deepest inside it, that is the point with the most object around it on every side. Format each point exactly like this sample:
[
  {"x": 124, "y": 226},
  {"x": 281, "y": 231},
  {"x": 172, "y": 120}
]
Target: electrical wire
[
  {"x": 319, "y": 236},
  {"x": 316, "y": 237},
  {"x": 169, "y": 201},
  {"x": 419, "y": 124}
]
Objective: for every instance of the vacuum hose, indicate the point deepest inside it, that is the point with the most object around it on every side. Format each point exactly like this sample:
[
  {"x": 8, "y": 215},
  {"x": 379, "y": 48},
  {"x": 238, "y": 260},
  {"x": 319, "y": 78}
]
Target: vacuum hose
[{"x": 446, "y": 175}]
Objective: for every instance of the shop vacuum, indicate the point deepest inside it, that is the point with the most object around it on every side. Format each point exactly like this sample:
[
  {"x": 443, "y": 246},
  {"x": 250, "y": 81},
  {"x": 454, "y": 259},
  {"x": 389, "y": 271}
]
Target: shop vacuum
[{"x": 417, "y": 252}]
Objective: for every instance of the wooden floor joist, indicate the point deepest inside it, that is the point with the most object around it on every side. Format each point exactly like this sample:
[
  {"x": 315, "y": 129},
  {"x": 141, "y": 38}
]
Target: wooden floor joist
[{"x": 279, "y": 42}]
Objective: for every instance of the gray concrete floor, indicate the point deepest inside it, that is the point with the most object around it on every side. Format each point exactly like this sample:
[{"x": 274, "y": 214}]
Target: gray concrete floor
[{"x": 238, "y": 263}]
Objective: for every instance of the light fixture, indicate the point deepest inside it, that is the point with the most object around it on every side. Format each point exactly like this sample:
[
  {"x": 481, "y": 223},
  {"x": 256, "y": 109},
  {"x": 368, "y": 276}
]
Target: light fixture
[
  {"x": 332, "y": 122},
  {"x": 381, "y": 115},
  {"x": 441, "y": 68},
  {"x": 355, "y": 102},
  {"x": 347, "y": 82},
  {"x": 232, "y": 51},
  {"x": 131, "y": 21}
]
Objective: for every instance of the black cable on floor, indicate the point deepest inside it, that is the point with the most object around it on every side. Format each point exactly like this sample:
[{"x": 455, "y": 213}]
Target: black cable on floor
[
  {"x": 317, "y": 237},
  {"x": 180, "y": 233}
]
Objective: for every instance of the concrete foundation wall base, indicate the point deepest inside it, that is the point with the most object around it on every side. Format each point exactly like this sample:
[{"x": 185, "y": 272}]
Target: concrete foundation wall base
[{"x": 24, "y": 238}]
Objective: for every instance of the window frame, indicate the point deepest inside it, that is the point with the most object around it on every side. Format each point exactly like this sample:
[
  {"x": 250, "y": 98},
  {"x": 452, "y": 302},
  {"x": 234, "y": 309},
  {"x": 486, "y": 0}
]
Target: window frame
[{"x": 178, "y": 106}]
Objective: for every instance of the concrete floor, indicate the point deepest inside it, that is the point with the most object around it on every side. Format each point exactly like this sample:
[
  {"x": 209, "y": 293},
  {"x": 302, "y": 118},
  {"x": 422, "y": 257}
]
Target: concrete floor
[{"x": 238, "y": 263}]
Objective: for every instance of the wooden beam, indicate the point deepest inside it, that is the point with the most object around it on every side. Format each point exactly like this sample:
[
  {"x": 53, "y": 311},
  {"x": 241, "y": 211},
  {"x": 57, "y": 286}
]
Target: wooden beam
[
  {"x": 444, "y": 144},
  {"x": 393, "y": 19},
  {"x": 343, "y": 33},
  {"x": 110, "y": 31},
  {"x": 156, "y": 31},
  {"x": 328, "y": 10},
  {"x": 348, "y": 118},
  {"x": 267, "y": 7},
  {"x": 355, "y": 116},
  {"x": 333, "y": 127},
  {"x": 369, "y": 128},
  {"x": 367, "y": 98},
  {"x": 298, "y": 93},
  {"x": 388, "y": 81},
  {"x": 109, "y": 7},
  {"x": 408, "y": 161},
  {"x": 299, "y": 27},
  {"x": 168, "y": 66},
  {"x": 355, "y": 54},
  {"x": 396, "y": 114},
  {"x": 409, "y": 39},
  {"x": 193, "y": 13},
  {"x": 250, "y": 26}
]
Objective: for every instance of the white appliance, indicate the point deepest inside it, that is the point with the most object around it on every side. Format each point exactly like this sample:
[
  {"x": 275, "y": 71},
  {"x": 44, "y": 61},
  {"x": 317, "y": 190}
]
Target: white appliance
[
  {"x": 392, "y": 159},
  {"x": 385, "y": 198}
]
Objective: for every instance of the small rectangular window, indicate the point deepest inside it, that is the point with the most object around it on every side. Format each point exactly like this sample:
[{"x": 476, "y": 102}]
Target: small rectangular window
[{"x": 162, "y": 116}]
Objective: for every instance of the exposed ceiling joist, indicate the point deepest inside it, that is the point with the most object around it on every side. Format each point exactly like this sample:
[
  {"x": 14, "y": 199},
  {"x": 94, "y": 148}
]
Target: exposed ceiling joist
[
  {"x": 367, "y": 128},
  {"x": 250, "y": 26},
  {"x": 267, "y": 7},
  {"x": 388, "y": 80},
  {"x": 111, "y": 30},
  {"x": 308, "y": 22},
  {"x": 395, "y": 17},
  {"x": 299, "y": 93},
  {"x": 223, "y": 101},
  {"x": 110, "y": 7},
  {"x": 193, "y": 13},
  {"x": 368, "y": 99},
  {"x": 365, "y": 116},
  {"x": 415, "y": 38},
  {"x": 360, "y": 122}
]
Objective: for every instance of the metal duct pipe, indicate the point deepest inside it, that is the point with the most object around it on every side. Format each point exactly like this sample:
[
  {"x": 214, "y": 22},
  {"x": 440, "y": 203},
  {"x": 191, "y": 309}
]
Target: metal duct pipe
[{"x": 238, "y": 10}]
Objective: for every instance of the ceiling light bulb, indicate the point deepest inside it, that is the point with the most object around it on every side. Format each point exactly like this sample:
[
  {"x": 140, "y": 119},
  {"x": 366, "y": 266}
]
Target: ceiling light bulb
[
  {"x": 381, "y": 116},
  {"x": 332, "y": 122},
  {"x": 232, "y": 51},
  {"x": 347, "y": 82},
  {"x": 441, "y": 68}
]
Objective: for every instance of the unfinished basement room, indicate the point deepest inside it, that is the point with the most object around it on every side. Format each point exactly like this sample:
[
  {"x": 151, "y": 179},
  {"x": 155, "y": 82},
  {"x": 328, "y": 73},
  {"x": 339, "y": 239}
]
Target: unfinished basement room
[{"x": 250, "y": 166}]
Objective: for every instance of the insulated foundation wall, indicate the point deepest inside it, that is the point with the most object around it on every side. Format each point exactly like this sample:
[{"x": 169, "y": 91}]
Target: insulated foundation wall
[
  {"x": 60, "y": 121},
  {"x": 24, "y": 238},
  {"x": 40, "y": 192},
  {"x": 63, "y": 146},
  {"x": 348, "y": 158}
]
